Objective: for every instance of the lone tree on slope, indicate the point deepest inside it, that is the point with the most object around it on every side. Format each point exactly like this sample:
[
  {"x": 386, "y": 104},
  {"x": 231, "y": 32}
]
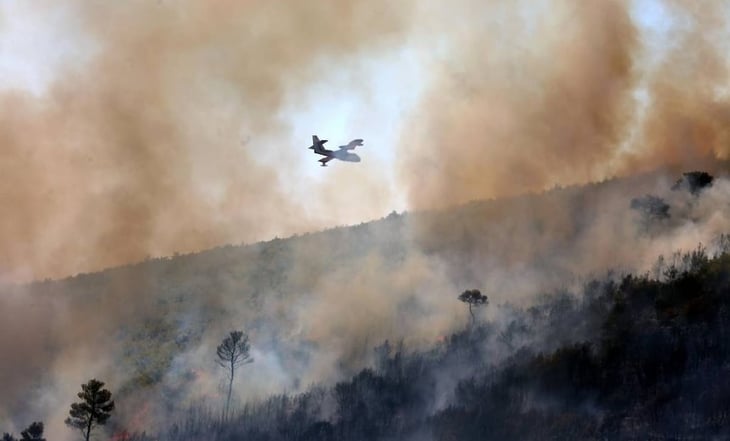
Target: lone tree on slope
[
  {"x": 94, "y": 410},
  {"x": 232, "y": 353},
  {"x": 473, "y": 297}
]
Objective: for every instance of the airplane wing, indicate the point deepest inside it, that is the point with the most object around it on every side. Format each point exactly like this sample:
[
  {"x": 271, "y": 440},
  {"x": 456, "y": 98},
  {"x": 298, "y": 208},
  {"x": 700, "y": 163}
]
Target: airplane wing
[{"x": 351, "y": 145}]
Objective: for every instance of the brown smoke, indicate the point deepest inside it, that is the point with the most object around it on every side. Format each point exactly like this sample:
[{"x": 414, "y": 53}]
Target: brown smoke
[
  {"x": 688, "y": 117},
  {"x": 139, "y": 151},
  {"x": 520, "y": 105},
  {"x": 523, "y": 106}
]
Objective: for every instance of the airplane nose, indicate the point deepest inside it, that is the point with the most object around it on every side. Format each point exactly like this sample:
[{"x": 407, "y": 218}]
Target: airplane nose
[{"x": 357, "y": 158}]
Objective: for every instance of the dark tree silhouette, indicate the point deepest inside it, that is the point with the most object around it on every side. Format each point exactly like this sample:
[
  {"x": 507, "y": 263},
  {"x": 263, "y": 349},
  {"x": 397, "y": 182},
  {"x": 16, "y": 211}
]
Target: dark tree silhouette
[
  {"x": 473, "y": 297},
  {"x": 34, "y": 432},
  {"x": 94, "y": 410},
  {"x": 652, "y": 211},
  {"x": 8, "y": 437},
  {"x": 652, "y": 207},
  {"x": 232, "y": 353},
  {"x": 694, "y": 182}
]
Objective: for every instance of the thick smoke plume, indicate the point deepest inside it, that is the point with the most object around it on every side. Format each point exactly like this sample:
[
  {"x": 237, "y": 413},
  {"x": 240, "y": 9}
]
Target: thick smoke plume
[
  {"x": 519, "y": 103},
  {"x": 688, "y": 111},
  {"x": 130, "y": 154},
  {"x": 139, "y": 150}
]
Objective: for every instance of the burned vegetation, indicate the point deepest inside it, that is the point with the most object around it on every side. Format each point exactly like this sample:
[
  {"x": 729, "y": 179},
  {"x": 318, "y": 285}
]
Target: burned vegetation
[
  {"x": 621, "y": 356},
  {"x": 624, "y": 357}
]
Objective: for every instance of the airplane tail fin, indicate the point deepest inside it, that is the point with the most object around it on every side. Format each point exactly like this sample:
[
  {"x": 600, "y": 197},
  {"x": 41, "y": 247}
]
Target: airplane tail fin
[{"x": 317, "y": 143}]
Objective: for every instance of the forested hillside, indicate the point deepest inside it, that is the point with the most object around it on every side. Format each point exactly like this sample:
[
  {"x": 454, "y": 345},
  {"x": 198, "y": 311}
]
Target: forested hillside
[
  {"x": 569, "y": 344},
  {"x": 629, "y": 357}
]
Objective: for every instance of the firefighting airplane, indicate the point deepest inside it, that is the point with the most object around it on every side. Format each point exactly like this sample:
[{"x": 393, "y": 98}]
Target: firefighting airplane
[{"x": 343, "y": 154}]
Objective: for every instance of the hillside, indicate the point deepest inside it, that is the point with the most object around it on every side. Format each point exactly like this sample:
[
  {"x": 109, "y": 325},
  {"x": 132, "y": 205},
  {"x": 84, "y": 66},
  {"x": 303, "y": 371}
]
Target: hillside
[
  {"x": 315, "y": 305},
  {"x": 637, "y": 357}
]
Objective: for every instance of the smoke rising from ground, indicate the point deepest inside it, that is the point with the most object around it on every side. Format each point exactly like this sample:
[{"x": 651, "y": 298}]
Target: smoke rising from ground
[
  {"x": 316, "y": 305},
  {"x": 130, "y": 154},
  {"x": 523, "y": 105},
  {"x": 686, "y": 120},
  {"x": 144, "y": 147},
  {"x": 519, "y": 104}
]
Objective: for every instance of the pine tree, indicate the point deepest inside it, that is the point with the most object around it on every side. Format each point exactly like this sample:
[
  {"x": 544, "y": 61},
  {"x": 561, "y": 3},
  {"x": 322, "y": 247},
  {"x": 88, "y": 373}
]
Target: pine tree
[
  {"x": 473, "y": 297},
  {"x": 232, "y": 353},
  {"x": 94, "y": 410}
]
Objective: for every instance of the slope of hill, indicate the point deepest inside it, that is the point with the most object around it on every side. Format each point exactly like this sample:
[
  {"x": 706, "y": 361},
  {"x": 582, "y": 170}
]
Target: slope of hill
[
  {"x": 629, "y": 357},
  {"x": 316, "y": 304},
  {"x": 636, "y": 357}
]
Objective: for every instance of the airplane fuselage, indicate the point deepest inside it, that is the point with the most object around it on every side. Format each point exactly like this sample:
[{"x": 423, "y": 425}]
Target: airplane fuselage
[{"x": 342, "y": 154}]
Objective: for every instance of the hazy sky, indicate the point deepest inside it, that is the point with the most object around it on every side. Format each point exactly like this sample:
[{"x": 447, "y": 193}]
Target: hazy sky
[
  {"x": 39, "y": 44},
  {"x": 230, "y": 172},
  {"x": 42, "y": 43}
]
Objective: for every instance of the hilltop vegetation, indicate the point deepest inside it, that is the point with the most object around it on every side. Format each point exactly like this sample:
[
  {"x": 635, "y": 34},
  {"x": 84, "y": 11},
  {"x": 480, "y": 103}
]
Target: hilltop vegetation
[
  {"x": 549, "y": 354},
  {"x": 626, "y": 357}
]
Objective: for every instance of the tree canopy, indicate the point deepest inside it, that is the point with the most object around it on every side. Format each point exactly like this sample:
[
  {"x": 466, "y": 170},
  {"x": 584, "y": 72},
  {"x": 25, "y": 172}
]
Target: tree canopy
[
  {"x": 232, "y": 353},
  {"x": 94, "y": 409},
  {"x": 473, "y": 297},
  {"x": 694, "y": 182},
  {"x": 34, "y": 432}
]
